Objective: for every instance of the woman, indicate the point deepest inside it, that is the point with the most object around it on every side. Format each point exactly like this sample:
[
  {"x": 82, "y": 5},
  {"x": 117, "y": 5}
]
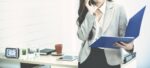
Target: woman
[{"x": 101, "y": 18}]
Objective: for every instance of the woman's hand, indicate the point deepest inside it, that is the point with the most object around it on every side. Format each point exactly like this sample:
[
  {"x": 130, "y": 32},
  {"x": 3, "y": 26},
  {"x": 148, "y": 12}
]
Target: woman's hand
[
  {"x": 126, "y": 46},
  {"x": 91, "y": 8}
]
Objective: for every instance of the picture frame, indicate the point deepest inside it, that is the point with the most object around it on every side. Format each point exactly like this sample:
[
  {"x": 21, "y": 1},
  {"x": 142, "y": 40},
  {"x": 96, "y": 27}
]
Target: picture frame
[{"x": 12, "y": 52}]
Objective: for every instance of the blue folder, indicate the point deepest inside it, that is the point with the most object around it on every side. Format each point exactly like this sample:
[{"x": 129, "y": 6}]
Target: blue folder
[{"x": 132, "y": 32}]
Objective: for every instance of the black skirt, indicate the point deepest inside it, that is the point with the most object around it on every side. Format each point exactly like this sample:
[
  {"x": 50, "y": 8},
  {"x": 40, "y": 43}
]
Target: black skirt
[{"x": 96, "y": 59}]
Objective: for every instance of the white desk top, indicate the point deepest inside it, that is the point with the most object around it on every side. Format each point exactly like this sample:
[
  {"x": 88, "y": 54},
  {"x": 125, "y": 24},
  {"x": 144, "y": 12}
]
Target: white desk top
[{"x": 51, "y": 60}]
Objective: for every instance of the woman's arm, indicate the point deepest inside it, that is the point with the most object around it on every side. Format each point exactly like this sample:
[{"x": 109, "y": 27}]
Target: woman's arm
[
  {"x": 122, "y": 28},
  {"x": 86, "y": 27},
  {"x": 122, "y": 22},
  {"x": 127, "y": 46}
]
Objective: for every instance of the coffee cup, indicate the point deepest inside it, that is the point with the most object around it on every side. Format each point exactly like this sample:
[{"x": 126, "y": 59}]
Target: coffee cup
[{"x": 58, "y": 48}]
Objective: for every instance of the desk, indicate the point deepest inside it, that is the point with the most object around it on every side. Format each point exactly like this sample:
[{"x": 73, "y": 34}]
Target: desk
[
  {"x": 48, "y": 60},
  {"x": 52, "y": 60}
]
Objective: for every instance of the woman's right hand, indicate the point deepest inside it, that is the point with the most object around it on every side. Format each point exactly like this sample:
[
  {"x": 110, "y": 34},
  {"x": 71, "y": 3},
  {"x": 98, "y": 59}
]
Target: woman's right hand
[{"x": 91, "y": 8}]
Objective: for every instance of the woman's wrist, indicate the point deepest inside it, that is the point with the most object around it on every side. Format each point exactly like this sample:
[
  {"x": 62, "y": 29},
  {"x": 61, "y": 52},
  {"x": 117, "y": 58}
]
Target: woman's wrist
[{"x": 130, "y": 49}]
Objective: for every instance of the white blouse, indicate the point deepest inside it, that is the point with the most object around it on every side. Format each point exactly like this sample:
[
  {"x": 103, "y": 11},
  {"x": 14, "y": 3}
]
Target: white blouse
[{"x": 99, "y": 24}]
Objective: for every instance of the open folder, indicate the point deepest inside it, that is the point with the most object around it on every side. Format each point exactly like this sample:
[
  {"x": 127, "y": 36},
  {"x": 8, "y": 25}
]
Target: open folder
[{"x": 132, "y": 32}]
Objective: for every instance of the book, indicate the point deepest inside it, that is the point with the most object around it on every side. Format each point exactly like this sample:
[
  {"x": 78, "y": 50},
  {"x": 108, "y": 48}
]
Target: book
[
  {"x": 46, "y": 51},
  {"x": 131, "y": 33}
]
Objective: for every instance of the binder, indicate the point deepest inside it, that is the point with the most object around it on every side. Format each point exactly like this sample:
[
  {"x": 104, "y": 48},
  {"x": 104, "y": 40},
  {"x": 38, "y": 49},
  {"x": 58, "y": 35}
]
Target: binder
[
  {"x": 108, "y": 42},
  {"x": 131, "y": 33}
]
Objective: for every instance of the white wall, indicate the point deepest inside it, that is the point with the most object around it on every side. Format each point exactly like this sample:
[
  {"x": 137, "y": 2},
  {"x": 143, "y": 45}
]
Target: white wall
[
  {"x": 38, "y": 23},
  {"x": 142, "y": 43}
]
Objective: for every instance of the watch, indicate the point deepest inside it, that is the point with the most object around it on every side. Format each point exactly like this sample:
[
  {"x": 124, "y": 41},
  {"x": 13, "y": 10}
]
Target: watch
[{"x": 12, "y": 52}]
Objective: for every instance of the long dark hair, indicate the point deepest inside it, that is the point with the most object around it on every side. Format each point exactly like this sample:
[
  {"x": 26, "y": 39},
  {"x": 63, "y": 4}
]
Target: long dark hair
[{"x": 82, "y": 11}]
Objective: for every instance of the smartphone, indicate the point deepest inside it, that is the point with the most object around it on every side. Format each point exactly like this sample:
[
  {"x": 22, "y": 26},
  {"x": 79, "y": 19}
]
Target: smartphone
[{"x": 92, "y": 2}]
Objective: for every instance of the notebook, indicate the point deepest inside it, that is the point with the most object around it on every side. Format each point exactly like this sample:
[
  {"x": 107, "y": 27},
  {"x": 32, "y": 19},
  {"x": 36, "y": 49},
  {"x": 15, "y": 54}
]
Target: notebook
[{"x": 46, "y": 51}]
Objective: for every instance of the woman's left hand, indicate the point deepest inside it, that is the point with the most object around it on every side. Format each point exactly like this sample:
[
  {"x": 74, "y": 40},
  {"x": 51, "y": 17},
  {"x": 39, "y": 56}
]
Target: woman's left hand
[{"x": 126, "y": 46}]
